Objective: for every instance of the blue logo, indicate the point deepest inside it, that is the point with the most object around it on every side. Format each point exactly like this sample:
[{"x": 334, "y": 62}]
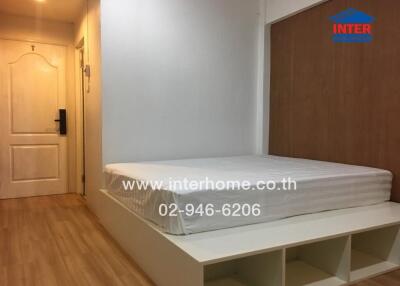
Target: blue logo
[{"x": 352, "y": 26}]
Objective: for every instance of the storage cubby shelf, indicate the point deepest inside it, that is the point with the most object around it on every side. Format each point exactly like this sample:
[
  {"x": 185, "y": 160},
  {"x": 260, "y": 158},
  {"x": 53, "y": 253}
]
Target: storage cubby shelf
[
  {"x": 374, "y": 252},
  {"x": 331, "y": 262},
  {"x": 365, "y": 265},
  {"x": 258, "y": 270},
  {"x": 299, "y": 273},
  {"x": 225, "y": 282},
  {"x": 323, "y": 263}
]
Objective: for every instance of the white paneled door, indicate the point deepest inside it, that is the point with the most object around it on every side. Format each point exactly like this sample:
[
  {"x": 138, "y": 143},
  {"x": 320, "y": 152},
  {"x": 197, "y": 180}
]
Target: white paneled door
[{"x": 33, "y": 155}]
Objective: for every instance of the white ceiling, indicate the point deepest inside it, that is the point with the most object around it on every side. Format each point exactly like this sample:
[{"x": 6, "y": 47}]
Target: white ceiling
[{"x": 60, "y": 10}]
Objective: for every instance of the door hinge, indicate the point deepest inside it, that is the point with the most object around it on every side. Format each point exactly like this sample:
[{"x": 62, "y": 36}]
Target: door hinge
[{"x": 87, "y": 70}]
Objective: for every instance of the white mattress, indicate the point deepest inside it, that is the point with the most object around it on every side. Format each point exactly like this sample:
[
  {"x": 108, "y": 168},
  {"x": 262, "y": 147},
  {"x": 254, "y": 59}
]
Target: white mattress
[{"x": 321, "y": 186}]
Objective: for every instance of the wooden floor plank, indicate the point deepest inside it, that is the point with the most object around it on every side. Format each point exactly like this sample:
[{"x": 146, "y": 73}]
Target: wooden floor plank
[{"x": 57, "y": 241}]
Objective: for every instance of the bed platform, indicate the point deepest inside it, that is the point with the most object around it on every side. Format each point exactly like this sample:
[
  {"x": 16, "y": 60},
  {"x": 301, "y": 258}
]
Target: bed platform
[{"x": 330, "y": 248}]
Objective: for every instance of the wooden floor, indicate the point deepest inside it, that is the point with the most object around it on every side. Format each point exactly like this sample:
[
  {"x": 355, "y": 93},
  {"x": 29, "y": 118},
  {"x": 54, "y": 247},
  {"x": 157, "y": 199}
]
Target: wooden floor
[
  {"x": 51, "y": 241},
  {"x": 391, "y": 279},
  {"x": 57, "y": 241}
]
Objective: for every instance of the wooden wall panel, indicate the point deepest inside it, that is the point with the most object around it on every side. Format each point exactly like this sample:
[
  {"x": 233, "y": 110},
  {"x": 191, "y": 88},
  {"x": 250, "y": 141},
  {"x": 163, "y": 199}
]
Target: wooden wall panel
[{"x": 333, "y": 101}]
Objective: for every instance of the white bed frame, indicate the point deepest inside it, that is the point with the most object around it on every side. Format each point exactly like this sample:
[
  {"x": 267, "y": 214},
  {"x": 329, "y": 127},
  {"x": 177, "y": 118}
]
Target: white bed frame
[{"x": 325, "y": 249}]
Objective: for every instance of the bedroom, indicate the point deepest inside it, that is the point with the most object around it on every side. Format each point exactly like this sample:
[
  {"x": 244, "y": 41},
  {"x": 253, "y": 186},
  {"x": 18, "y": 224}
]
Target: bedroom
[{"x": 213, "y": 94}]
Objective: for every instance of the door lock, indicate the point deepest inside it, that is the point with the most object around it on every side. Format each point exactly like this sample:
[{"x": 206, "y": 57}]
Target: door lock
[{"x": 63, "y": 121}]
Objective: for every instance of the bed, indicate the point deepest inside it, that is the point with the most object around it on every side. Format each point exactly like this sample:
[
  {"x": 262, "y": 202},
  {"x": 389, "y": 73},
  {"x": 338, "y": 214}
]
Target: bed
[{"x": 320, "y": 186}]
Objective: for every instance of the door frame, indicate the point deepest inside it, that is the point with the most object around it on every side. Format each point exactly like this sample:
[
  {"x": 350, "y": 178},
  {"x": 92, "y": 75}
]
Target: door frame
[
  {"x": 74, "y": 179},
  {"x": 69, "y": 95},
  {"x": 80, "y": 87}
]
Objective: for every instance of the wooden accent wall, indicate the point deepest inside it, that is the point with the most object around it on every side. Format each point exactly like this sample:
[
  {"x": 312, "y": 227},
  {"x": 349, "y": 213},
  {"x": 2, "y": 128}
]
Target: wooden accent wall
[{"x": 337, "y": 102}]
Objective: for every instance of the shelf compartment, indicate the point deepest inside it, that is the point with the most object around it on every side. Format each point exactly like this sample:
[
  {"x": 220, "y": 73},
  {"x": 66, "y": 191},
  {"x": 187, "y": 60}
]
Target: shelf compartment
[
  {"x": 259, "y": 270},
  {"x": 231, "y": 281},
  {"x": 325, "y": 263},
  {"x": 375, "y": 252}
]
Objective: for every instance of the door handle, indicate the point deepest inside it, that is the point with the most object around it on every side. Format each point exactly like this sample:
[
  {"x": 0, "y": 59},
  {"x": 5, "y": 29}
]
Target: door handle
[{"x": 63, "y": 121}]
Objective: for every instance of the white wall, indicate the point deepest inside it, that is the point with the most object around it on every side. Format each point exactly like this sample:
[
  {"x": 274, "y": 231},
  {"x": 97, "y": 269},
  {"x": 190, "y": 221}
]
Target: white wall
[
  {"x": 88, "y": 27},
  {"x": 279, "y": 9},
  {"x": 179, "y": 78},
  {"x": 32, "y": 29},
  {"x": 266, "y": 91}
]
